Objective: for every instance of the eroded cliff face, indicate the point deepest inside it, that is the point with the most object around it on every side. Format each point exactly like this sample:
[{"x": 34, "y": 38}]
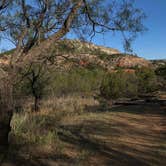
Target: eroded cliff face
[{"x": 129, "y": 61}]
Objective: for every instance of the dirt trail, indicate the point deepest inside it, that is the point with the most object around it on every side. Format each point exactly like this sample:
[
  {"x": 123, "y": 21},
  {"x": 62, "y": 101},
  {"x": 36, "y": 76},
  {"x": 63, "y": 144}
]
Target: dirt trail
[{"x": 125, "y": 136}]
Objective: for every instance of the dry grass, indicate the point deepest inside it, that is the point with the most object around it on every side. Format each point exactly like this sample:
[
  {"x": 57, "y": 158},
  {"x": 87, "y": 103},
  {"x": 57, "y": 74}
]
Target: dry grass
[{"x": 73, "y": 131}]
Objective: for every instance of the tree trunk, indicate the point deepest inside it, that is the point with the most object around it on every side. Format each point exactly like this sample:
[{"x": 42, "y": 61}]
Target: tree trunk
[
  {"x": 6, "y": 111},
  {"x": 36, "y": 104},
  {"x": 4, "y": 129}
]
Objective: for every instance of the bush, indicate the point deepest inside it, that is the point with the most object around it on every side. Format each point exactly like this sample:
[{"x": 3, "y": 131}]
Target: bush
[
  {"x": 119, "y": 84},
  {"x": 147, "y": 80},
  {"x": 161, "y": 76},
  {"x": 161, "y": 71},
  {"x": 79, "y": 80}
]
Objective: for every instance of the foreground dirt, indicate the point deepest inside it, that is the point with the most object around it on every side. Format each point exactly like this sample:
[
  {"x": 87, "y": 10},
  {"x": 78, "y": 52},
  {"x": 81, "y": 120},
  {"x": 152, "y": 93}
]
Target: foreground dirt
[{"x": 124, "y": 136}]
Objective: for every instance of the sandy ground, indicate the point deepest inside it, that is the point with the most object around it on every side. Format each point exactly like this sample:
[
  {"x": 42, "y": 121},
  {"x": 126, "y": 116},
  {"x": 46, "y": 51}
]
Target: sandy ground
[{"x": 124, "y": 136}]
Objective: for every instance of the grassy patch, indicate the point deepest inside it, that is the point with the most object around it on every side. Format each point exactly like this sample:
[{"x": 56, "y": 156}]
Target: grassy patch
[{"x": 68, "y": 130}]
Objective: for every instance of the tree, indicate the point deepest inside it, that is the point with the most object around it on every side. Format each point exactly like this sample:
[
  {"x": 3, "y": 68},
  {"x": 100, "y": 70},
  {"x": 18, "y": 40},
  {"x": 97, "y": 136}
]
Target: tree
[
  {"x": 5, "y": 94},
  {"x": 26, "y": 22},
  {"x": 34, "y": 82}
]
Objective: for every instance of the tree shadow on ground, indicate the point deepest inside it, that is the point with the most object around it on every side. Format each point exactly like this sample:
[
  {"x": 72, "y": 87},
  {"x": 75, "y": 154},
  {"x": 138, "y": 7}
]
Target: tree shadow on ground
[
  {"x": 133, "y": 109},
  {"x": 124, "y": 139},
  {"x": 113, "y": 157},
  {"x": 116, "y": 153},
  {"x": 24, "y": 152},
  {"x": 43, "y": 161},
  {"x": 16, "y": 158}
]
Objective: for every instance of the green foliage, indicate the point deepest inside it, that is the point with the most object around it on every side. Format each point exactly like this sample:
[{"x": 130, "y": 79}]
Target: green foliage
[
  {"x": 123, "y": 84},
  {"x": 161, "y": 76},
  {"x": 147, "y": 80},
  {"x": 34, "y": 81},
  {"x": 9, "y": 52},
  {"x": 119, "y": 84},
  {"x": 76, "y": 81},
  {"x": 161, "y": 71},
  {"x": 89, "y": 80},
  {"x": 31, "y": 128}
]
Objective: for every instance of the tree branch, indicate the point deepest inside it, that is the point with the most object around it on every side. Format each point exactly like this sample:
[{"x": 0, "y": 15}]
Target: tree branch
[{"x": 94, "y": 23}]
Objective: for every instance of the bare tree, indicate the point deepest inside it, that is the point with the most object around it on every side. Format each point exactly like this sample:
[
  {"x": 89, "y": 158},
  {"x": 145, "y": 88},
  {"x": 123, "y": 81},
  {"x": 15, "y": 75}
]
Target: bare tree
[{"x": 28, "y": 23}]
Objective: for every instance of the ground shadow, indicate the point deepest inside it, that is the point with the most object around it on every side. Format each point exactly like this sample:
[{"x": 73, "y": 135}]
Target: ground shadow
[
  {"x": 133, "y": 109},
  {"x": 130, "y": 135},
  {"x": 135, "y": 135}
]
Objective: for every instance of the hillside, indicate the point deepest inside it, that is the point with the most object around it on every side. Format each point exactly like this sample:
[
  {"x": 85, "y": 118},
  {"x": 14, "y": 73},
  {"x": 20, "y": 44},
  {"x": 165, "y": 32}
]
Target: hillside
[
  {"x": 158, "y": 63},
  {"x": 86, "y": 54}
]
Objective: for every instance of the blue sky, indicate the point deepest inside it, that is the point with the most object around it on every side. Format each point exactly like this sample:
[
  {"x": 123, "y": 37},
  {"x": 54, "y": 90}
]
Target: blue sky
[{"x": 150, "y": 45}]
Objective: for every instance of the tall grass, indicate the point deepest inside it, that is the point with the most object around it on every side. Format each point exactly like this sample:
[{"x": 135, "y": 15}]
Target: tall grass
[{"x": 41, "y": 128}]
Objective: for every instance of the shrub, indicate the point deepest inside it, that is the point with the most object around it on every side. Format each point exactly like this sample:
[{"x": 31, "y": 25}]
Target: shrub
[
  {"x": 119, "y": 84},
  {"x": 161, "y": 71},
  {"x": 79, "y": 80},
  {"x": 147, "y": 80},
  {"x": 161, "y": 76}
]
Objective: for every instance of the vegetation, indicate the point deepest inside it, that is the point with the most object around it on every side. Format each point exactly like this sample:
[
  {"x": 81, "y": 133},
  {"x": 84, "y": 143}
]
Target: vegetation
[
  {"x": 66, "y": 132},
  {"x": 7, "y": 52},
  {"x": 161, "y": 71},
  {"x": 147, "y": 80},
  {"x": 77, "y": 81},
  {"x": 49, "y": 133},
  {"x": 42, "y": 84},
  {"x": 161, "y": 76},
  {"x": 33, "y": 81},
  {"x": 120, "y": 83}
]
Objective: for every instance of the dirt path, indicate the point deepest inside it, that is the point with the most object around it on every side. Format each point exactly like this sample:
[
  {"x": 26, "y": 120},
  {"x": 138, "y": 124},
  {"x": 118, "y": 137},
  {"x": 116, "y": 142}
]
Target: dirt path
[{"x": 125, "y": 136}]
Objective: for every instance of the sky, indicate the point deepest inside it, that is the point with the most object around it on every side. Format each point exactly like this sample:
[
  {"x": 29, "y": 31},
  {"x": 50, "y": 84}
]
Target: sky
[
  {"x": 149, "y": 45},
  {"x": 152, "y": 43}
]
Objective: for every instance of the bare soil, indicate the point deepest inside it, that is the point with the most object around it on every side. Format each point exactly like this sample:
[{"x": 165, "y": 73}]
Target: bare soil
[{"x": 122, "y": 136}]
